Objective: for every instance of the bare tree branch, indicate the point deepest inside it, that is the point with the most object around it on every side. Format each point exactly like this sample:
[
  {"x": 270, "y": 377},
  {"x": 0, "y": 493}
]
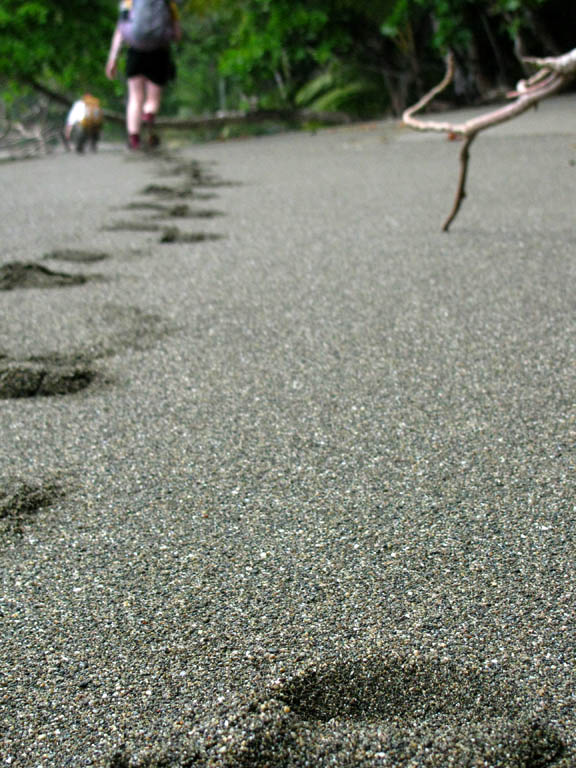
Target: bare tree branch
[
  {"x": 564, "y": 65},
  {"x": 461, "y": 191},
  {"x": 553, "y": 75}
]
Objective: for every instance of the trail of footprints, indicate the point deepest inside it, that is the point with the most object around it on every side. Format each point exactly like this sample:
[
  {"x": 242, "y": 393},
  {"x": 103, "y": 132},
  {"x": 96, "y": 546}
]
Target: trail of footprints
[
  {"x": 385, "y": 710},
  {"x": 65, "y": 375},
  {"x": 169, "y": 205}
]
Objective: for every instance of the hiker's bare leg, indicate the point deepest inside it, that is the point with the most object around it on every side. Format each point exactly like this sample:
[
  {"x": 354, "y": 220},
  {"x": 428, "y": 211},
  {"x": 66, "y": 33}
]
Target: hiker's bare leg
[
  {"x": 135, "y": 106},
  {"x": 153, "y": 98},
  {"x": 151, "y": 109}
]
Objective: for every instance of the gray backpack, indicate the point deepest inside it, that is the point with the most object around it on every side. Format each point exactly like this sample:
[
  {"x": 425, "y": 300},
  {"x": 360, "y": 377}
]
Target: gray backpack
[{"x": 149, "y": 26}]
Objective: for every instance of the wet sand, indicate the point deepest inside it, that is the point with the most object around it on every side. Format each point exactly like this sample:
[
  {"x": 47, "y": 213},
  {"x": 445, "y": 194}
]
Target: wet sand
[{"x": 287, "y": 473}]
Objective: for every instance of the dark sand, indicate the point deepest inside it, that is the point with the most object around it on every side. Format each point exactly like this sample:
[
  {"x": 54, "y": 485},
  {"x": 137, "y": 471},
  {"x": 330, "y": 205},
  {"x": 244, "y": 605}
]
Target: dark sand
[{"x": 295, "y": 487}]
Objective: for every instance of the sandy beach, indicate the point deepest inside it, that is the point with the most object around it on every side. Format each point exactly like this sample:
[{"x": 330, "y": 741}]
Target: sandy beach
[{"x": 287, "y": 474}]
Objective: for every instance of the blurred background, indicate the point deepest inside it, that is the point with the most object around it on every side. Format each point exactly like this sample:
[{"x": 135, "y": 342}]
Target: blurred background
[{"x": 365, "y": 58}]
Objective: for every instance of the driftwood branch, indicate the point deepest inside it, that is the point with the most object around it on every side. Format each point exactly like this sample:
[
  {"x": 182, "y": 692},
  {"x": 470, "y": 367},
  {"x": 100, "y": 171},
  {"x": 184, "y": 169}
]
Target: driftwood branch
[
  {"x": 461, "y": 190},
  {"x": 222, "y": 119},
  {"x": 218, "y": 120},
  {"x": 553, "y": 74}
]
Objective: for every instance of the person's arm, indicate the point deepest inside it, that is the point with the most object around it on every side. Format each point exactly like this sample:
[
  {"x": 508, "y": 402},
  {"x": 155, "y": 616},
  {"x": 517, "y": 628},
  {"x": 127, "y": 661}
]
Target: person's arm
[{"x": 115, "y": 46}]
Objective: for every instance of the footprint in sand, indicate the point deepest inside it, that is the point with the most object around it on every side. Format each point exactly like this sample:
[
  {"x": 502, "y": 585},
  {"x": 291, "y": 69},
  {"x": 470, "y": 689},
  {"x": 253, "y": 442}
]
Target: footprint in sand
[
  {"x": 164, "y": 191},
  {"x": 411, "y": 712},
  {"x": 21, "y": 500},
  {"x": 182, "y": 211},
  {"x": 393, "y": 711},
  {"x": 131, "y": 226},
  {"x": 175, "y": 235},
  {"x": 26, "y": 274},
  {"x": 199, "y": 176},
  {"x": 75, "y": 256},
  {"x": 48, "y": 375},
  {"x": 43, "y": 379},
  {"x": 195, "y": 177}
]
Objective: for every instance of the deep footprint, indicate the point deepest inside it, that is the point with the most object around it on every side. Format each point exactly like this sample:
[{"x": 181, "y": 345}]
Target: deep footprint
[
  {"x": 131, "y": 226},
  {"x": 138, "y": 206},
  {"x": 388, "y": 688},
  {"x": 21, "y": 380},
  {"x": 417, "y": 712},
  {"x": 17, "y": 274},
  {"x": 21, "y": 500},
  {"x": 186, "y": 212},
  {"x": 164, "y": 191},
  {"x": 174, "y": 235},
  {"x": 394, "y": 711},
  {"x": 200, "y": 177}
]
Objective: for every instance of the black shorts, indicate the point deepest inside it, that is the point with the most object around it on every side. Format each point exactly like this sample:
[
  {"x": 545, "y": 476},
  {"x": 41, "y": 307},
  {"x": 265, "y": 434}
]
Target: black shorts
[{"x": 157, "y": 66}]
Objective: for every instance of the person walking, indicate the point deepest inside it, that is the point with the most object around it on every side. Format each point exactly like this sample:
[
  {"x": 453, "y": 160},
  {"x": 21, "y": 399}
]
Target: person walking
[{"x": 147, "y": 28}]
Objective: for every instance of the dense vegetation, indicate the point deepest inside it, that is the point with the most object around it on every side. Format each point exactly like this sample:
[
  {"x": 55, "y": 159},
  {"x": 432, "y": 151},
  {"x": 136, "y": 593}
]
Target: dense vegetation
[{"x": 366, "y": 57}]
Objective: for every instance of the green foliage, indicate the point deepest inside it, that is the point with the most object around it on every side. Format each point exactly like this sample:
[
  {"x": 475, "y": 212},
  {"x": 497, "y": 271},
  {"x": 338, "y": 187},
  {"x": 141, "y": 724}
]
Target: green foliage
[
  {"x": 199, "y": 87},
  {"x": 271, "y": 41},
  {"x": 448, "y": 18},
  {"x": 354, "y": 55},
  {"x": 277, "y": 46},
  {"x": 515, "y": 13},
  {"x": 452, "y": 19},
  {"x": 62, "y": 42},
  {"x": 341, "y": 88}
]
